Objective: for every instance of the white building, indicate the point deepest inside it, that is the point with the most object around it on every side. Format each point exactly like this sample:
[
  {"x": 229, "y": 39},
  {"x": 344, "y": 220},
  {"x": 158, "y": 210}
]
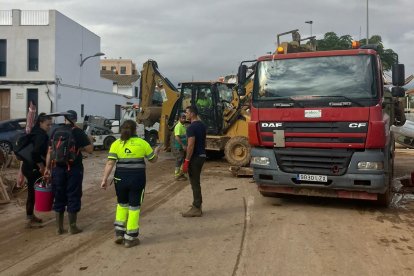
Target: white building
[
  {"x": 40, "y": 61},
  {"x": 127, "y": 85}
]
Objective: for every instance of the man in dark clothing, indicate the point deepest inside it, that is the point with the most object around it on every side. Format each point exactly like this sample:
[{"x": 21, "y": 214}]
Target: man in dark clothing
[
  {"x": 195, "y": 157},
  {"x": 34, "y": 169},
  {"x": 67, "y": 178}
]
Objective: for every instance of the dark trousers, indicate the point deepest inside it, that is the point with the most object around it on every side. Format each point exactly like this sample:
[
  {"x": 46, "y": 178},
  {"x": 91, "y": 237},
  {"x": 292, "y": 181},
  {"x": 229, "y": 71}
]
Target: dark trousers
[
  {"x": 67, "y": 188},
  {"x": 31, "y": 175},
  {"x": 129, "y": 187},
  {"x": 194, "y": 172}
]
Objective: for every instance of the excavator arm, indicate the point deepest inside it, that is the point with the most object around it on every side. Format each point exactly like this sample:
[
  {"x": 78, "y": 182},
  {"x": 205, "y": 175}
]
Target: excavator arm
[
  {"x": 153, "y": 82},
  {"x": 240, "y": 103}
]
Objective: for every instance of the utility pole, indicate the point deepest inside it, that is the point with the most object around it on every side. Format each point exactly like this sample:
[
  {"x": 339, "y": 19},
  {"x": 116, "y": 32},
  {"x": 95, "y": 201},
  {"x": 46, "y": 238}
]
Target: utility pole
[{"x": 367, "y": 24}]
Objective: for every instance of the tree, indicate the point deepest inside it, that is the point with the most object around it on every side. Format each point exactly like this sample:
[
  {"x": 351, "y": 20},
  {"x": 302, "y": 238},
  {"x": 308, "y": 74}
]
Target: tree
[
  {"x": 331, "y": 41},
  {"x": 388, "y": 56}
]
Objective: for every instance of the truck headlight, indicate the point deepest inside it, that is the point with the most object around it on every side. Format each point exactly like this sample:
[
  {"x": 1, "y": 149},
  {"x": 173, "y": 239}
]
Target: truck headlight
[
  {"x": 262, "y": 161},
  {"x": 370, "y": 165}
]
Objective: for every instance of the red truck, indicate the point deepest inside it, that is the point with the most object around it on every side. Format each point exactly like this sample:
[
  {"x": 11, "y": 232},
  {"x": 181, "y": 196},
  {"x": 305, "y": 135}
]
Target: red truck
[{"x": 320, "y": 124}]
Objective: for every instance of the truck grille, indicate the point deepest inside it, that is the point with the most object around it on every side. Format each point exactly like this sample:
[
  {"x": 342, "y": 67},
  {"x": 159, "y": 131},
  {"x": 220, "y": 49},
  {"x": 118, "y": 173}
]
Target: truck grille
[
  {"x": 320, "y": 134},
  {"x": 313, "y": 161}
]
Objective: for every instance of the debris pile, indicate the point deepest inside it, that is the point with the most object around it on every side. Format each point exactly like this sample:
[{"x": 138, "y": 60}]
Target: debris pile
[{"x": 6, "y": 185}]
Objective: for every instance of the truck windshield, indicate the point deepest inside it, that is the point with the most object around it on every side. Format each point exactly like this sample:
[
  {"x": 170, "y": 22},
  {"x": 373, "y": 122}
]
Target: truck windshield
[{"x": 307, "y": 78}]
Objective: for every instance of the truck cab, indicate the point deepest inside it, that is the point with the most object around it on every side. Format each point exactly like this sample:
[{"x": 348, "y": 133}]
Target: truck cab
[{"x": 320, "y": 125}]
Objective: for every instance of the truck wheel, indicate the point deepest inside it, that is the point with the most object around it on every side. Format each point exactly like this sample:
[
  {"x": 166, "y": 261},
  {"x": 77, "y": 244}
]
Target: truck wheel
[
  {"x": 384, "y": 200},
  {"x": 151, "y": 137},
  {"x": 108, "y": 142},
  {"x": 237, "y": 151}
]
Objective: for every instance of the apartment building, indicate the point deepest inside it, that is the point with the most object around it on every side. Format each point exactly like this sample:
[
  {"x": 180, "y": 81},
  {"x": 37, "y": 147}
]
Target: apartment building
[{"x": 119, "y": 66}]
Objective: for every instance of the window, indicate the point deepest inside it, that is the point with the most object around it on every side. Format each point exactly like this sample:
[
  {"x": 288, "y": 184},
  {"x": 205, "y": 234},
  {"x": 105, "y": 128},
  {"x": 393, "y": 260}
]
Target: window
[
  {"x": 117, "y": 112},
  {"x": 33, "y": 54},
  {"x": 113, "y": 69},
  {"x": 103, "y": 68},
  {"x": 123, "y": 70},
  {"x": 82, "y": 110},
  {"x": 3, "y": 57},
  {"x": 136, "y": 91}
]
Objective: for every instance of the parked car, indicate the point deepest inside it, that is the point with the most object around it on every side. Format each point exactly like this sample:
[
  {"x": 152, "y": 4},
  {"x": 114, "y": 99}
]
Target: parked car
[{"x": 10, "y": 131}]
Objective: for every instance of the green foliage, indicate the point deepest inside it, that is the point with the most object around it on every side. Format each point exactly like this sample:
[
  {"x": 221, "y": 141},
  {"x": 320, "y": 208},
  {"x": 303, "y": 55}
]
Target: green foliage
[{"x": 331, "y": 41}]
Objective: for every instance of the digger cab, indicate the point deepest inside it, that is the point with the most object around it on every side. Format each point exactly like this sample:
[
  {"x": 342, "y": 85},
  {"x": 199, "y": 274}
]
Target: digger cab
[{"x": 210, "y": 98}]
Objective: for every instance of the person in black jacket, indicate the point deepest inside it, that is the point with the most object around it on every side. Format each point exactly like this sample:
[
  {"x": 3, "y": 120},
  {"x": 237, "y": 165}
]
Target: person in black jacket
[{"x": 35, "y": 169}]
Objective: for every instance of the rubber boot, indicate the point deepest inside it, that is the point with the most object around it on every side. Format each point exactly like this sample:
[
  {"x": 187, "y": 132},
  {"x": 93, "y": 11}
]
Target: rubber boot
[
  {"x": 131, "y": 243},
  {"x": 59, "y": 223},
  {"x": 73, "y": 229}
]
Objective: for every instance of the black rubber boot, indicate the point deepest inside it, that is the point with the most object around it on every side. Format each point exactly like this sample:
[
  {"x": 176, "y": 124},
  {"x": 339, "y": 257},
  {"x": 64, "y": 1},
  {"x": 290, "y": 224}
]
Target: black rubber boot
[
  {"x": 59, "y": 223},
  {"x": 73, "y": 229}
]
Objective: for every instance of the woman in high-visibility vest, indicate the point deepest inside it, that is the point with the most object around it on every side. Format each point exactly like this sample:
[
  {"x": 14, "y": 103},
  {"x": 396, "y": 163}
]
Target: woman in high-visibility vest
[{"x": 128, "y": 154}]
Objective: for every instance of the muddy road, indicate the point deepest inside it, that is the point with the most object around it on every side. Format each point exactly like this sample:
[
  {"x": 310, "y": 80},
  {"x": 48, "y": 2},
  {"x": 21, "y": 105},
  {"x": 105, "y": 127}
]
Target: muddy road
[{"x": 241, "y": 232}]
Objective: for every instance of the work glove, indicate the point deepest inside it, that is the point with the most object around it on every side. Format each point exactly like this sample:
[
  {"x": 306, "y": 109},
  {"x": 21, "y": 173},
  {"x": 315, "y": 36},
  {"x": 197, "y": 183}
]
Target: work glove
[{"x": 185, "y": 165}]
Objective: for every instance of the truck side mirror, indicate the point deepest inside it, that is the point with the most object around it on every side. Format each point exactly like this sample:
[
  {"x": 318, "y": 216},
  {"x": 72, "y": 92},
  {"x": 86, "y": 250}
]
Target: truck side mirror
[
  {"x": 398, "y": 92},
  {"x": 398, "y": 74},
  {"x": 241, "y": 75}
]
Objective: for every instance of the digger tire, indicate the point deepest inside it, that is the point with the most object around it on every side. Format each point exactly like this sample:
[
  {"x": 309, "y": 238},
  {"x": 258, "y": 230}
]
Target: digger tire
[{"x": 237, "y": 151}]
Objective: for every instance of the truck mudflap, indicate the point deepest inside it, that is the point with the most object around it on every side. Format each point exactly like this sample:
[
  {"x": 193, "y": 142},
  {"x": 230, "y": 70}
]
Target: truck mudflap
[{"x": 268, "y": 189}]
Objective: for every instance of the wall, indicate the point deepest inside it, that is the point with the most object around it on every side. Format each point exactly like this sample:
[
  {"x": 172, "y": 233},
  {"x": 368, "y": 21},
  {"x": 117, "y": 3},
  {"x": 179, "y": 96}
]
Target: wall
[
  {"x": 17, "y": 59},
  {"x": 81, "y": 85},
  {"x": 17, "y": 63},
  {"x": 18, "y": 99},
  {"x": 105, "y": 106}
]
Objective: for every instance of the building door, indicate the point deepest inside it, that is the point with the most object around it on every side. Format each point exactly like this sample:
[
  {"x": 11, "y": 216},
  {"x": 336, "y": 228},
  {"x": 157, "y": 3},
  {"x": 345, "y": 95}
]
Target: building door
[
  {"x": 4, "y": 104},
  {"x": 117, "y": 112},
  {"x": 32, "y": 96}
]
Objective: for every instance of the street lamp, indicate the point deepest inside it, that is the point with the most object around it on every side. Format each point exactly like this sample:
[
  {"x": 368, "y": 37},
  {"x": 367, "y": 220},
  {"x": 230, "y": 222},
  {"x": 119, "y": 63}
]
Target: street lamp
[
  {"x": 84, "y": 59},
  {"x": 310, "y": 22}
]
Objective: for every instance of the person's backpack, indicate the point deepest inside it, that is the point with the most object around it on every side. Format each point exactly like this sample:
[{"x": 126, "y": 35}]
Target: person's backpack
[
  {"x": 24, "y": 148},
  {"x": 63, "y": 143}
]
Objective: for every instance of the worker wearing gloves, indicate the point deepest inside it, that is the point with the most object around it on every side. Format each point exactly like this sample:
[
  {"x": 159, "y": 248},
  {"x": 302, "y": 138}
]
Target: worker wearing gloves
[
  {"x": 128, "y": 154},
  {"x": 195, "y": 157},
  {"x": 179, "y": 147}
]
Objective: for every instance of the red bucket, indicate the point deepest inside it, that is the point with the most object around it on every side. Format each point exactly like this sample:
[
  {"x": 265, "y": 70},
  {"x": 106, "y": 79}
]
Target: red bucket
[{"x": 43, "y": 196}]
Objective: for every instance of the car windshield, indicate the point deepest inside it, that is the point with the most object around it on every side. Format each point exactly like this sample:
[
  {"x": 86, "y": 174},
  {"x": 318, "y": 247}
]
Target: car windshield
[{"x": 334, "y": 76}]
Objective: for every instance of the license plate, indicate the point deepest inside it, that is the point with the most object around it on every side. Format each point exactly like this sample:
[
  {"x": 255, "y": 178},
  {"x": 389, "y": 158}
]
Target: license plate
[{"x": 313, "y": 177}]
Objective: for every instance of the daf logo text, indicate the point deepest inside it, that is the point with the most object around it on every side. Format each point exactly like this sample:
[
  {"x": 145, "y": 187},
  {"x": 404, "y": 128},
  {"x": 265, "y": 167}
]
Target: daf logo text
[{"x": 272, "y": 124}]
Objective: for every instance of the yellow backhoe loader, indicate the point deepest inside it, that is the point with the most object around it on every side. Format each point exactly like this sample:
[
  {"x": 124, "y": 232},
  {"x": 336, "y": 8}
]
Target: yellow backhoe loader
[{"x": 224, "y": 112}]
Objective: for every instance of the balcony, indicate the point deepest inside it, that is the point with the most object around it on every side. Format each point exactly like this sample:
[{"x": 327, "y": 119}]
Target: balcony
[{"x": 24, "y": 18}]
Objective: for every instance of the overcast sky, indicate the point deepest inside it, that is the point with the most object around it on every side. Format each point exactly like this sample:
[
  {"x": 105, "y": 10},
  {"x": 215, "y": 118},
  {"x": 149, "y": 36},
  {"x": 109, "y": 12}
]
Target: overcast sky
[{"x": 205, "y": 39}]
